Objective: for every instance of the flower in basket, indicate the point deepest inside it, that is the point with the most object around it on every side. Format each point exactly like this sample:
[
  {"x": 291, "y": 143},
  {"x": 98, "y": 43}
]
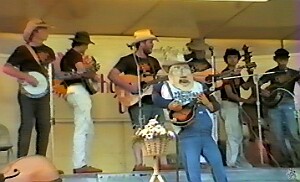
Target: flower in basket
[{"x": 154, "y": 130}]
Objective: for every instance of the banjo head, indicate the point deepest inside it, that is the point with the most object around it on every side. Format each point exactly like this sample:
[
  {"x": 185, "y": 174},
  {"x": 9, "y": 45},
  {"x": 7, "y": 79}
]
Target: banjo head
[{"x": 40, "y": 88}]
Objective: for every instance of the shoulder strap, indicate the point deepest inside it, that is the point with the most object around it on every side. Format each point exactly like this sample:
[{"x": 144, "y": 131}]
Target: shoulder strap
[
  {"x": 33, "y": 53},
  {"x": 169, "y": 89},
  {"x": 36, "y": 58}
]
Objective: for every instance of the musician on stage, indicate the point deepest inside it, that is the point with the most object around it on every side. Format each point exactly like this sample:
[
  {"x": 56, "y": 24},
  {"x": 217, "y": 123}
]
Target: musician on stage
[
  {"x": 231, "y": 98},
  {"x": 148, "y": 66},
  {"x": 34, "y": 112},
  {"x": 79, "y": 98},
  {"x": 198, "y": 49},
  {"x": 195, "y": 137},
  {"x": 282, "y": 117}
]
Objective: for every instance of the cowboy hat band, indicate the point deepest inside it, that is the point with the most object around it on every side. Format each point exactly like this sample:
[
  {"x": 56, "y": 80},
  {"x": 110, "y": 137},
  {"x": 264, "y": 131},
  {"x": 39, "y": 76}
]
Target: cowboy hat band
[
  {"x": 142, "y": 35},
  {"x": 82, "y": 37}
]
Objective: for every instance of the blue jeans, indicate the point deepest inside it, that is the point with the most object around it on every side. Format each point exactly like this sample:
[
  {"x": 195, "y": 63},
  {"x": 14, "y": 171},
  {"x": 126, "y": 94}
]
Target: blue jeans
[
  {"x": 192, "y": 148},
  {"x": 284, "y": 125}
]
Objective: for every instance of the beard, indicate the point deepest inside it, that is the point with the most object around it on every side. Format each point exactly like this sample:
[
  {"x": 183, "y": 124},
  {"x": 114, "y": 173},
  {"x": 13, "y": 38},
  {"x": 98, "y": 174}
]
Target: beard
[{"x": 147, "y": 51}]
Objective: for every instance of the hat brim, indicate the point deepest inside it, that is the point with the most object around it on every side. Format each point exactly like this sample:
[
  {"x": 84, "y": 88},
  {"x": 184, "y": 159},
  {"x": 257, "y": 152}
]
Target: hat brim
[
  {"x": 197, "y": 47},
  {"x": 143, "y": 39},
  {"x": 82, "y": 41},
  {"x": 167, "y": 66}
]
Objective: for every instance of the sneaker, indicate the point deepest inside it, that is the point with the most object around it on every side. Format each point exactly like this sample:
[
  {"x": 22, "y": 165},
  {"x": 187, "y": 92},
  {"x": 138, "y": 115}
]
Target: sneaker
[
  {"x": 141, "y": 167},
  {"x": 87, "y": 169}
]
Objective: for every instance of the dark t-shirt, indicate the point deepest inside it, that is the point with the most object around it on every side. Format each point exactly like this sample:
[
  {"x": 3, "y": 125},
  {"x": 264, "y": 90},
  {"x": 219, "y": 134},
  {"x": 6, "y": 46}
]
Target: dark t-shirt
[
  {"x": 147, "y": 66},
  {"x": 24, "y": 60},
  {"x": 68, "y": 62},
  {"x": 235, "y": 85},
  {"x": 291, "y": 75}
]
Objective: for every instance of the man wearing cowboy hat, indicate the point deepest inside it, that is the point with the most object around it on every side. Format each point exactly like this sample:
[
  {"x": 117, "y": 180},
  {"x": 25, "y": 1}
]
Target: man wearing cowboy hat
[
  {"x": 79, "y": 98},
  {"x": 195, "y": 137},
  {"x": 198, "y": 54},
  {"x": 283, "y": 121},
  {"x": 148, "y": 66},
  {"x": 21, "y": 61}
]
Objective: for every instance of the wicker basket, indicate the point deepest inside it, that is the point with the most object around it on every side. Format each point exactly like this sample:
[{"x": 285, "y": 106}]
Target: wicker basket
[{"x": 155, "y": 147}]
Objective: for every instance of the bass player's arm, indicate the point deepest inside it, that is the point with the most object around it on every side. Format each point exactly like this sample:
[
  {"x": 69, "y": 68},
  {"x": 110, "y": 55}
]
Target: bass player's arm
[{"x": 230, "y": 94}]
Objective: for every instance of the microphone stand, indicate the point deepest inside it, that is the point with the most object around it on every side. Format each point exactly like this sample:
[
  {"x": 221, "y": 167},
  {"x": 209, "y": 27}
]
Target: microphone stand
[
  {"x": 255, "y": 80},
  {"x": 213, "y": 89},
  {"x": 51, "y": 103},
  {"x": 141, "y": 116}
]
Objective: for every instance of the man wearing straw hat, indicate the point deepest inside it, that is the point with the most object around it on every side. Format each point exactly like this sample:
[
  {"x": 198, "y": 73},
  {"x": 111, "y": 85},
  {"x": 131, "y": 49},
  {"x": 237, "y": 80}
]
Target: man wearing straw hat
[
  {"x": 198, "y": 50},
  {"x": 34, "y": 111},
  {"x": 148, "y": 66},
  {"x": 195, "y": 135}
]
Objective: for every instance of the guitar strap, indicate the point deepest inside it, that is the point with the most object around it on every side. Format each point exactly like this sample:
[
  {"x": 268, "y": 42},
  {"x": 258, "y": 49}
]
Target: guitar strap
[{"x": 36, "y": 58}]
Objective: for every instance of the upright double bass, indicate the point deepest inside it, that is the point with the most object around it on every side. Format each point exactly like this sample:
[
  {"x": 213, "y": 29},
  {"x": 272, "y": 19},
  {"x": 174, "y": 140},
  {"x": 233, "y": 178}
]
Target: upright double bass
[{"x": 249, "y": 116}]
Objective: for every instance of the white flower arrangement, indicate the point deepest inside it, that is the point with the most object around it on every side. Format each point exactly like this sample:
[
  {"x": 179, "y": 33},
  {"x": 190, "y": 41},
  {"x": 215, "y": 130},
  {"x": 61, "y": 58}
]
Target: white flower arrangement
[{"x": 154, "y": 130}]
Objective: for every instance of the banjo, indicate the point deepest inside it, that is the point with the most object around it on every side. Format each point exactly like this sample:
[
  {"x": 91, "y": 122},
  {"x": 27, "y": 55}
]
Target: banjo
[
  {"x": 35, "y": 92},
  {"x": 42, "y": 88}
]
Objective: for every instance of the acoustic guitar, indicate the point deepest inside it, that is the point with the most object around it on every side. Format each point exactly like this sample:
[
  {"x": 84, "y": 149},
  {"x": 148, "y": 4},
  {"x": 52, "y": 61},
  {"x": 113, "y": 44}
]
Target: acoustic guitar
[
  {"x": 127, "y": 98},
  {"x": 276, "y": 92}
]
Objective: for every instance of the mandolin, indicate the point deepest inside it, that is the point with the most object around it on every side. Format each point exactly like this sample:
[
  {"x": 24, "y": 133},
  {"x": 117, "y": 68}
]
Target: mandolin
[{"x": 184, "y": 117}]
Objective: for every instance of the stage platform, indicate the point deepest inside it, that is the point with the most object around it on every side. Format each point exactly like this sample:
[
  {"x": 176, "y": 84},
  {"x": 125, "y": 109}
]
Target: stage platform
[{"x": 234, "y": 175}]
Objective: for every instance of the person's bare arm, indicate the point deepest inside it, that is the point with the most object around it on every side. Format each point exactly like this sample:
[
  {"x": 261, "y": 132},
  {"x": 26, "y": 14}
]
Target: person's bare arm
[
  {"x": 113, "y": 76},
  {"x": 21, "y": 76}
]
